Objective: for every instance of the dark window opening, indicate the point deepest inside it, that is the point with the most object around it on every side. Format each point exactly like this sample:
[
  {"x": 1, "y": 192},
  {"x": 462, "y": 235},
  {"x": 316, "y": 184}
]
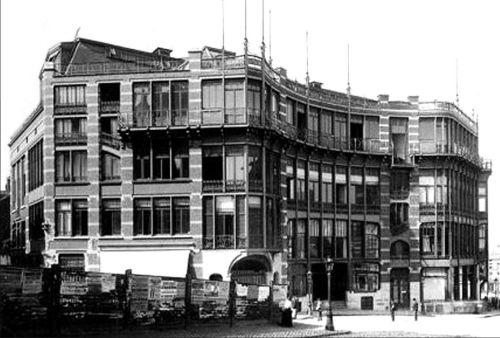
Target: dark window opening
[
  {"x": 109, "y": 98},
  {"x": 356, "y": 133},
  {"x": 400, "y": 184},
  {"x": 111, "y": 218},
  {"x": 399, "y": 218}
]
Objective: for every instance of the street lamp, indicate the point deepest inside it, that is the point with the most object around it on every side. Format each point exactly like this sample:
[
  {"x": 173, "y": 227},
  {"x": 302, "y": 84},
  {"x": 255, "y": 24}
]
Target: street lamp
[{"x": 329, "y": 319}]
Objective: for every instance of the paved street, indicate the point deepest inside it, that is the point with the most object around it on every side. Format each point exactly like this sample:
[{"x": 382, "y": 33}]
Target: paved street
[{"x": 346, "y": 326}]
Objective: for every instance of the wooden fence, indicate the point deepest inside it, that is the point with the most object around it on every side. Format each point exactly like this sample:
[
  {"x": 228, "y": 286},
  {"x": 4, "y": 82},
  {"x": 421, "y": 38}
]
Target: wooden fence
[{"x": 36, "y": 301}]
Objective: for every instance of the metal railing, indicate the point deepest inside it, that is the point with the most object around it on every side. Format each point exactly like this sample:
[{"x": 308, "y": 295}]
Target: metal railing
[
  {"x": 109, "y": 107},
  {"x": 449, "y": 107},
  {"x": 118, "y": 67},
  {"x": 69, "y": 109},
  {"x": 70, "y": 138},
  {"x": 110, "y": 140},
  {"x": 213, "y": 185}
]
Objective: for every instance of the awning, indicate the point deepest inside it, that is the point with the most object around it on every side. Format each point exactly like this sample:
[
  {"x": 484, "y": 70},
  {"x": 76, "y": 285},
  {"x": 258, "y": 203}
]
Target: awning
[{"x": 168, "y": 263}]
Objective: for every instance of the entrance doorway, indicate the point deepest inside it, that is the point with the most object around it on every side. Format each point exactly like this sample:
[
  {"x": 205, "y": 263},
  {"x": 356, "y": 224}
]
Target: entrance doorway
[
  {"x": 339, "y": 281},
  {"x": 400, "y": 287},
  {"x": 251, "y": 270}
]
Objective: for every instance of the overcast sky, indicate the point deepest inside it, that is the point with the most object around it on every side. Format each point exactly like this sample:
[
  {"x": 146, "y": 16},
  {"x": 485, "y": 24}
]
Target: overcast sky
[{"x": 398, "y": 48}]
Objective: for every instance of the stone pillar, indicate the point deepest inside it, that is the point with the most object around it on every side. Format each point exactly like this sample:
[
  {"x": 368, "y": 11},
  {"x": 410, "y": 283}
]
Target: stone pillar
[
  {"x": 47, "y": 94},
  {"x": 93, "y": 174},
  {"x": 127, "y": 163}
]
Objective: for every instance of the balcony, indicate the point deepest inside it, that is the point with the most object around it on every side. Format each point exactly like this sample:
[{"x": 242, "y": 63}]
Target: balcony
[
  {"x": 110, "y": 140},
  {"x": 235, "y": 185},
  {"x": 109, "y": 107},
  {"x": 158, "y": 118},
  {"x": 255, "y": 185},
  {"x": 68, "y": 139},
  {"x": 228, "y": 62},
  {"x": 401, "y": 194},
  {"x": 434, "y": 106},
  {"x": 213, "y": 186},
  {"x": 70, "y": 109}
]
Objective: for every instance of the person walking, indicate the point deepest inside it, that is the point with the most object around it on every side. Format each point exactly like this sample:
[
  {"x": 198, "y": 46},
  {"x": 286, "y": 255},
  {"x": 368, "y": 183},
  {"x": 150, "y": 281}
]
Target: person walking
[
  {"x": 294, "y": 307},
  {"x": 319, "y": 309},
  {"x": 414, "y": 306},
  {"x": 392, "y": 308}
]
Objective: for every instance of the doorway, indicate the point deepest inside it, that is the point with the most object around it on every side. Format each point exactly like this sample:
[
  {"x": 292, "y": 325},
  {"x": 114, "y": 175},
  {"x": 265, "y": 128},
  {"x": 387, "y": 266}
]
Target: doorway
[{"x": 400, "y": 287}]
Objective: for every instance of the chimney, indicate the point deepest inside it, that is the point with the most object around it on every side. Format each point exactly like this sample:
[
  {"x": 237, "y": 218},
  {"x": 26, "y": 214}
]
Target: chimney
[
  {"x": 383, "y": 98},
  {"x": 281, "y": 71},
  {"x": 162, "y": 51},
  {"x": 413, "y": 99},
  {"x": 316, "y": 84}
]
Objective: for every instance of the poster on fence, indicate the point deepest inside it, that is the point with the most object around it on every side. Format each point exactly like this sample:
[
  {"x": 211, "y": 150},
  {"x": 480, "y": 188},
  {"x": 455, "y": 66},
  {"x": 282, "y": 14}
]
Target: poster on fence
[
  {"x": 215, "y": 289},
  {"x": 108, "y": 283},
  {"x": 32, "y": 282},
  {"x": 140, "y": 289},
  {"x": 263, "y": 293},
  {"x": 253, "y": 292},
  {"x": 73, "y": 283},
  {"x": 241, "y": 290},
  {"x": 94, "y": 282},
  {"x": 279, "y": 294},
  {"x": 154, "y": 287}
]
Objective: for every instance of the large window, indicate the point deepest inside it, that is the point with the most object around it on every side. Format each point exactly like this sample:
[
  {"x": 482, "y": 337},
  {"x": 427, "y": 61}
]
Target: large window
[
  {"x": 314, "y": 238},
  {"x": 18, "y": 183},
  {"x": 253, "y": 98},
  {"x": 290, "y": 179},
  {"x": 341, "y": 185},
  {"x": 341, "y": 238},
  {"x": 224, "y": 229},
  {"x": 372, "y": 133},
  {"x": 357, "y": 195},
  {"x": 372, "y": 188},
  {"x": 69, "y": 95},
  {"x": 301, "y": 239},
  {"x": 340, "y": 131},
  {"x": 35, "y": 166},
  {"x": 18, "y": 235},
  {"x": 365, "y": 276},
  {"x": 399, "y": 218},
  {"x": 326, "y": 122},
  {"x": 482, "y": 197},
  {"x": 314, "y": 190},
  {"x": 426, "y": 183},
  {"x": 254, "y": 168},
  {"x": 400, "y": 184},
  {"x": 71, "y": 166},
  {"x": 301, "y": 181},
  {"x": 235, "y": 168},
  {"x": 70, "y": 130},
  {"x": 327, "y": 186},
  {"x": 36, "y": 220},
  {"x": 71, "y": 218},
  {"x": 255, "y": 223},
  {"x": 365, "y": 240},
  {"x": 290, "y": 112},
  {"x": 154, "y": 216},
  {"x": 234, "y": 101},
  {"x": 160, "y": 103},
  {"x": 170, "y": 160},
  {"x": 327, "y": 237},
  {"x": 110, "y": 167},
  {"x": 111, "y": 217}
]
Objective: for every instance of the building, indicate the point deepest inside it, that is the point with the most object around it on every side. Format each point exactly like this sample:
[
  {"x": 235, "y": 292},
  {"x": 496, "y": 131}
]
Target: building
[
  {"x": 220, "y": 166},
  {"x": 5, "y": 225}
]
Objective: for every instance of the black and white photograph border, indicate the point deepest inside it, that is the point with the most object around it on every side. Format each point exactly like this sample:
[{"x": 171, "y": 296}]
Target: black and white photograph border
[{"x": 249, "y": 168}]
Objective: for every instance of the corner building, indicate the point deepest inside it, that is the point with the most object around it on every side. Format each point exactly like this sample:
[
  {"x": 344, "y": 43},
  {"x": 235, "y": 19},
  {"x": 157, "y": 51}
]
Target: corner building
[{"x": 220, "y": 166}]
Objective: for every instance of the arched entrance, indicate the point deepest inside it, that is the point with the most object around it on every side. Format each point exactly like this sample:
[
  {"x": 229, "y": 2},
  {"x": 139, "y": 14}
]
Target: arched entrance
[{"x": 251, "y": 270}]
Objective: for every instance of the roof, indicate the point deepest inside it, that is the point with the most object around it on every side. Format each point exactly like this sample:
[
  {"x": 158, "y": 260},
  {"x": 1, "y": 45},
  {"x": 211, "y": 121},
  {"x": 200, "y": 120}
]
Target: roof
[{"x": 38, "y": 110}]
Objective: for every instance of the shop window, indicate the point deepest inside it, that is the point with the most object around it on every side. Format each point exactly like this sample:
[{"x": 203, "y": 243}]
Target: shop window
[
  {"x": 341, "y": 185},
  {"x": 366, "y": 277},
  {"x": 314, "y": 238},
  {"x": 341, "y": 238},
  {"x": 301, "y": 239}
]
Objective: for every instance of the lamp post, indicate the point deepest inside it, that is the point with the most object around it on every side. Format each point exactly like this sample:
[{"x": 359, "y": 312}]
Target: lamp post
[{"x": 329, "y": 320}]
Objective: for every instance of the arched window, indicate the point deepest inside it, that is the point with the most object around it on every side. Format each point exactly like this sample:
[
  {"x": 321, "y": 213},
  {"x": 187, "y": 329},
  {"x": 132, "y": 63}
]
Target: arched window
[{"x": 400, "y": 250}]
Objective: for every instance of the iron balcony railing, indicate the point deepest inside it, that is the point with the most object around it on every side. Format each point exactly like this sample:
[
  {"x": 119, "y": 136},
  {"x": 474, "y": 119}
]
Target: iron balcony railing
[
  {"x": 110, "y": 140},
  {"x": 118, "y": 67},
  {"x": 72, "y": 138},
  {"x": 106, "y": 107},
  {"x": 70, "y": 109},
  {"x": 156, "y": 118},
  {"x": 432, "y": 106},
  {"x": 400, "y": 194}
]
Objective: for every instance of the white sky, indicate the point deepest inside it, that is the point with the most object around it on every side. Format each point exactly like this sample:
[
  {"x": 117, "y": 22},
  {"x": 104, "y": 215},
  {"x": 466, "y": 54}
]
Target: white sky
[{"x": 398, "y": 48}]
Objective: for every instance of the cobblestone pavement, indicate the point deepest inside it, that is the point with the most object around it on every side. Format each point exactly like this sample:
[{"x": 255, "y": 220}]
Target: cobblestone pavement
[{"x": 487, "y": 325}]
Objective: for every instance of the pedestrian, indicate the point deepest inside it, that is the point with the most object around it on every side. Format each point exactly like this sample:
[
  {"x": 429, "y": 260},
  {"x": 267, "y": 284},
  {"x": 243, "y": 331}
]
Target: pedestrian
[
  {"x": 392, "y": 308},
  {"x": 319, "y": 309},
  {"x": 294, "y": 307},
  {"x": 415, "y": 308},
  {"x": 286, "y": 314}
]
